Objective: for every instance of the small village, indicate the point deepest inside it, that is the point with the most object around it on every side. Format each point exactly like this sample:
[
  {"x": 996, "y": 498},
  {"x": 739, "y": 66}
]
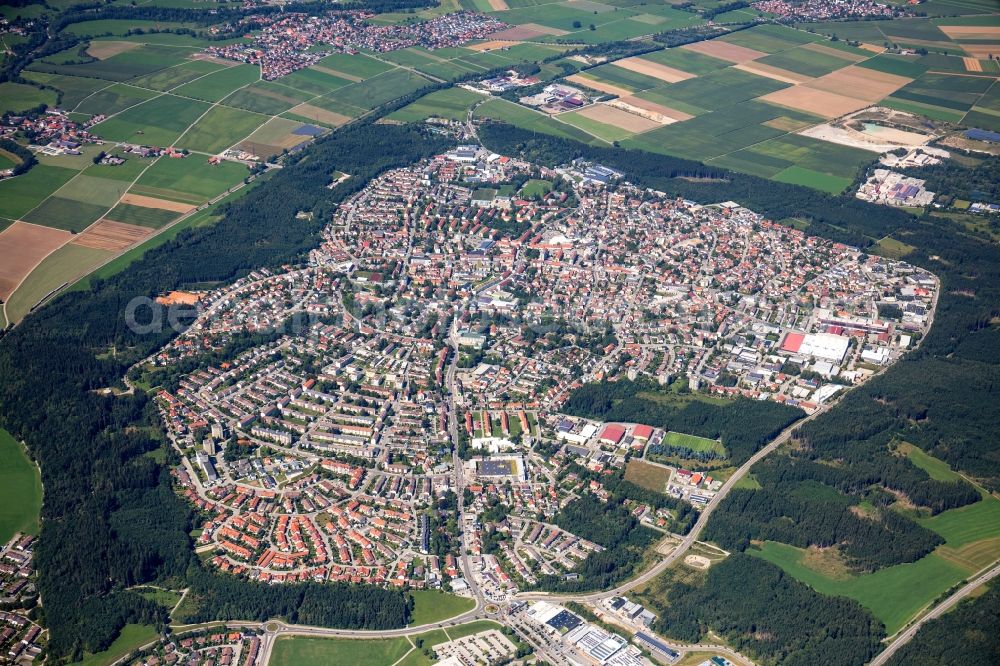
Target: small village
[
  {"x": 21, "y": 635},
  {"x": 286, "y": 42}
]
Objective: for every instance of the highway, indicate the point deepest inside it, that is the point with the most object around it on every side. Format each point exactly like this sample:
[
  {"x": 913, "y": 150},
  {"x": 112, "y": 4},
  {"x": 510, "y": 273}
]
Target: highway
[
  {"x": 939, "y": 610},
  {"x": 691, "y": 536}
]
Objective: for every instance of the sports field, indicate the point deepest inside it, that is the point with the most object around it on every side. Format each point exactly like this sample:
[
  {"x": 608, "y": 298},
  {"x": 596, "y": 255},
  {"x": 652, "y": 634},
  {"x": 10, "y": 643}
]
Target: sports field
[
  {"x": 693, "y": 442},
  {"x": 20, "y": 489}
]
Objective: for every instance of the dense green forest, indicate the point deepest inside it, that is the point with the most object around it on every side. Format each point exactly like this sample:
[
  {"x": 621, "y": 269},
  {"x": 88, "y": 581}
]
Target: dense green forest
[
  {"x": 611, "y": 526},
  {"x": 967, "y": 635},
  {"x": 744, "y": 426},
  {"x": 762, "y": 611},
  {"x": 110, "y": 519}
]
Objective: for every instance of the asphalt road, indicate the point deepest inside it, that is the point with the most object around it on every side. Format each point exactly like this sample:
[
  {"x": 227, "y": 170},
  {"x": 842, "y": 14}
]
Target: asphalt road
[
  {"x": 939, "y": 610},
  {"x": 695, "y": 532}
]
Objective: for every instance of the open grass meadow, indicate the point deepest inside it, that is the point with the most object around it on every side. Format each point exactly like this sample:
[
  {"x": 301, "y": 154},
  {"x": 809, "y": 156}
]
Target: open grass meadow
[
  {"x": 450, "y": 103},
  {"x": 64, "y": 265},
  {"x": 20, "y": 489},
  {"x": 131, "y": 638},
  {"x": 74, "y": 88},
  {"x": 381, "y": 652},
  {"x": 434, "y": 606},
  {"x": 295, "y": 651}
]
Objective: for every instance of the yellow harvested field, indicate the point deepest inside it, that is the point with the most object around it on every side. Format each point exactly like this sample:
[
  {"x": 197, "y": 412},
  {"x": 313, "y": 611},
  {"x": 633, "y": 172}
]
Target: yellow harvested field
[
  {"x": 859, "y": 82},
  {"x": 819, "y": 102},
  {"x": 23, "y": 246},
  {"x": 104, "y": 50},
  {"x": 498, "y": 5},
  {"x": 960, "y": 32},
  {"x": 610, "y": 115},
  {"x": 834, "y": 53},
  {"x": 981, "y": 51},
  {"x": 662, "y": 114},
  {"x": 319, "y": 115},
  {"x": 725, "y": 51},
  {"x": 579, "y": 79},
  {"x": 153, "y": 202},
  {"x": 654, "y": 69},
  {"x": 492, "y": 44},
  {"x": 776, "y": 73},
  {"x": 874, "y": 48},
  {"x": 337, "y": 73},
  {"x": 972, "y": 65},
  {"x": 114, "y": 236}
]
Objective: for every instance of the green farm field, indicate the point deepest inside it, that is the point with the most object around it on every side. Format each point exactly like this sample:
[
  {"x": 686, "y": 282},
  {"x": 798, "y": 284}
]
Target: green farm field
[
  {"x": 153, "y": 218},
  {"x": 520, "y": 116},
  {"x": 220, "y": 128},
  {"x": 20, "y": 489},
  {"x": 158, "y": 122},
  {"x": 218, "y": 85},
  {"x": 66, "y": 264},
  {"x": 191, "y": 180},
  {"x": 450, "y": 103},
  {"x": 21, "y": 194},
  {"x": 17, "y": 97},
  {"x": 113, "y": 98}
]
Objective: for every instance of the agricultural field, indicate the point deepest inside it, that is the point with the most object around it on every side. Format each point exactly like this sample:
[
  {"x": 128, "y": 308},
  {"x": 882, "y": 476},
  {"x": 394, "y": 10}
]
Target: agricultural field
[
  {"x": 20, "y": 489},
  {"x": 68, "y": 263},
  {"x": 192, "y": 180},
  {"x": 520, "y": 116},
  {"x": 452, "y": 103},
  {"x": 220, "y": 128},
  {"x": 17, "y": 97},
  {"x": 158, "y": 122},
  {"x": 219, "y": 84},
  {"x": 895, "y": 594}
]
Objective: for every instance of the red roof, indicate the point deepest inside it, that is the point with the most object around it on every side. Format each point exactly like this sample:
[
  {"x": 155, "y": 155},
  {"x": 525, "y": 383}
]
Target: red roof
[
  {"x": 613, "y": 433},
  {"x": 642, "y": 432},
  {"x": 792, "y": 342}
]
